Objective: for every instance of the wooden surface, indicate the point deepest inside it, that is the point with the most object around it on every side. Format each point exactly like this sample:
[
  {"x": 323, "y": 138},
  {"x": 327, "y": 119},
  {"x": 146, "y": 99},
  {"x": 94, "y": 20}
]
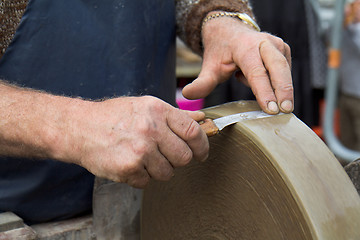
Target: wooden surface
[
  {"x": 269, "y": 178},
  {"x": 209, "y": 127}
]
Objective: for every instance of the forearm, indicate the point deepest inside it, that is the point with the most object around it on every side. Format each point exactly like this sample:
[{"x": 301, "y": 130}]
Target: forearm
[
  {"x": 34, "y": 124},
  {"x": 126, "y": 139}
]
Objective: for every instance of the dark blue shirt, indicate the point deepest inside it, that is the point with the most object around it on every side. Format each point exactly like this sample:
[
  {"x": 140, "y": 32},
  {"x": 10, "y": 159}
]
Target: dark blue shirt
[{"x": 93, "y": 49}]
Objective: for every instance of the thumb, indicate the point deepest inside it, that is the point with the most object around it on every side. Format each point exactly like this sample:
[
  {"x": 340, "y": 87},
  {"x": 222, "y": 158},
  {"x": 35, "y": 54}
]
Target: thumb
[
  {"x": 212, "y": 73},
  {"x": 200, "y": 87},
  {"x": 195, "y": 115}
]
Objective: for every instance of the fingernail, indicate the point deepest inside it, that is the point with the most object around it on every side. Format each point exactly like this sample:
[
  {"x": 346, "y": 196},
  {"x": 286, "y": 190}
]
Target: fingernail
[
  {"x": 273, "y": 107},
  {"x": 287, "y": 106}
]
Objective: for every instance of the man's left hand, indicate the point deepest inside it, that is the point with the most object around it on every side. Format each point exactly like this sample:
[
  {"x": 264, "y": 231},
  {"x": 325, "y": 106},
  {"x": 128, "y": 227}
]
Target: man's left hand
[{"x": 260, "y": 60}]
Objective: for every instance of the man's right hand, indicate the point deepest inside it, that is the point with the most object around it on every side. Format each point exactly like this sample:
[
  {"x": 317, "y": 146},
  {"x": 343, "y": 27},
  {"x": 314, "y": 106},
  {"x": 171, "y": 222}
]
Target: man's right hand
[
  {"x": 127, "y": 139},
  {"x": 133, "y": 139}
]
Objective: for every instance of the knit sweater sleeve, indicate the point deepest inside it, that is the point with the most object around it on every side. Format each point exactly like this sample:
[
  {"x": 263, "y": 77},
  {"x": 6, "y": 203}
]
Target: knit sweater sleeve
[
  {"x": 190, "y": 14},
  {"x": 11, "y": 12}
]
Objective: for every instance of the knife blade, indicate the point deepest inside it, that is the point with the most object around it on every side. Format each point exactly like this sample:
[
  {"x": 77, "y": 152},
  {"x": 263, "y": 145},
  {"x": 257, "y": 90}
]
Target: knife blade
[{"x": 213, "y": 127}]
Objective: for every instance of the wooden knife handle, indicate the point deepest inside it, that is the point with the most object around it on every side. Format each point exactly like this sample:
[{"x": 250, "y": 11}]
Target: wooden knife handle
[{"x": 209, "y": 127}]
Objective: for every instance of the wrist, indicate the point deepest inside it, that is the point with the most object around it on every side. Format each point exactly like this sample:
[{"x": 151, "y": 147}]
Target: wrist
[
  {"x": 243, "y": 17},
  {"x": 222, "y": 29},
  {"x": 64, "y": 136},
  {"x": 195, "y": 16}
]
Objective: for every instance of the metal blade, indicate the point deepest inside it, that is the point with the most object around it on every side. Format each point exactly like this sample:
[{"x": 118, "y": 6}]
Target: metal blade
[{"x": 234, "y": 118}]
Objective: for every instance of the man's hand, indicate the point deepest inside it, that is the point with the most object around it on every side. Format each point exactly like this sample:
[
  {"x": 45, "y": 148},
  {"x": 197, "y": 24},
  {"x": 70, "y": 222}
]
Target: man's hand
[
  {"x": 261, "y": 60},
  {"x": 127, "y": 139},
  {"x": 133, "y": 139}
]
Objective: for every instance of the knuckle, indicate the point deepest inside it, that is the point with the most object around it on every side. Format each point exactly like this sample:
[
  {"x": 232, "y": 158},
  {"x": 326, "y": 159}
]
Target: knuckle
[
  {"x": 132, "y": 168},
  {"x": 192, "y": 131},
  {"x": 139, "y": 182},
  {"x": 160, "y": 169},
  {"x": 184, "y": 158},
  {"x": 165, "y": 174},
  {"x": 141, "y": 149},
  {"x": 278, "y": 42},
  {"x": 147, "y": 127},
  {"x": 265, "y": 36},
  {"x": 279, "y": 63},
  {"x": 286, "y": 88},
  {"x": 156, "y": 104},
  {"x": 257, "y": 72},
  {"x": 150, "y": 99}
]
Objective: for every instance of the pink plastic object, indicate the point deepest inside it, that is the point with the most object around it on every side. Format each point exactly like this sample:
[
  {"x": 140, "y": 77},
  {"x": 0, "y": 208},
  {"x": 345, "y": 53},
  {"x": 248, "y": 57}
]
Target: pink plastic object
[{"x": 185, "y": 104}]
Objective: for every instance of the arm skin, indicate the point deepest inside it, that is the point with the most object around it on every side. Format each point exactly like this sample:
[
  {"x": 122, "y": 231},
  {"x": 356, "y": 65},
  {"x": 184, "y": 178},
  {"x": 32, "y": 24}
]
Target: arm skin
[
  {"x": 263, "y": 62},
  {"x": 133, "y": 139},
  {"x": 129, "y": 139}
]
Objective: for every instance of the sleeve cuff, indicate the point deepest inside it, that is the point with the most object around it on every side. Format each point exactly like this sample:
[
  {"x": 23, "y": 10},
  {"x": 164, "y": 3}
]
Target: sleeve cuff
[{"x": 190, "y": 15}]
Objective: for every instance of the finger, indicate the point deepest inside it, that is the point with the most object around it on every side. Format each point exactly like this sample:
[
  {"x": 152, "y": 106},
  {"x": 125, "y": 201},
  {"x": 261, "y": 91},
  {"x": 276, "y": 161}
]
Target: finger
[
  {"x": 280, "y": 74},
  {"x": 256, "y": 74},
  {"x": 190, "y": 132},
  {"x": 288, "y": 54},
  {"x": 282, "y": 47},
  {"x": 174, "y": 149},
  {"x": 158, "y": 167},
  {"x": 195, "y": 115},
  {"x": 200, "y": 87},
  {"x": 148, "y": 157},
  {"x": 212, "y": 73},
  {"x": 139, "y": 180}
]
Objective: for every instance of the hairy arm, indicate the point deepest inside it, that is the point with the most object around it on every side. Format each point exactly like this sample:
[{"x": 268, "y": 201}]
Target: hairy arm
[
  {"x": 32, "y": 122},
  {"x": 128, "y": 139}
]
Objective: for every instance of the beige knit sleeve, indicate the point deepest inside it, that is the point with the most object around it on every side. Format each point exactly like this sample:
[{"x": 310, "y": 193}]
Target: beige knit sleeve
[{"x": 190, "y": 14}]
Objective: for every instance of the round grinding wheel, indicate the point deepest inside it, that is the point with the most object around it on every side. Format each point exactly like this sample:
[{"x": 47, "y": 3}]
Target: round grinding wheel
[{"x": 270, "y": 178}]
